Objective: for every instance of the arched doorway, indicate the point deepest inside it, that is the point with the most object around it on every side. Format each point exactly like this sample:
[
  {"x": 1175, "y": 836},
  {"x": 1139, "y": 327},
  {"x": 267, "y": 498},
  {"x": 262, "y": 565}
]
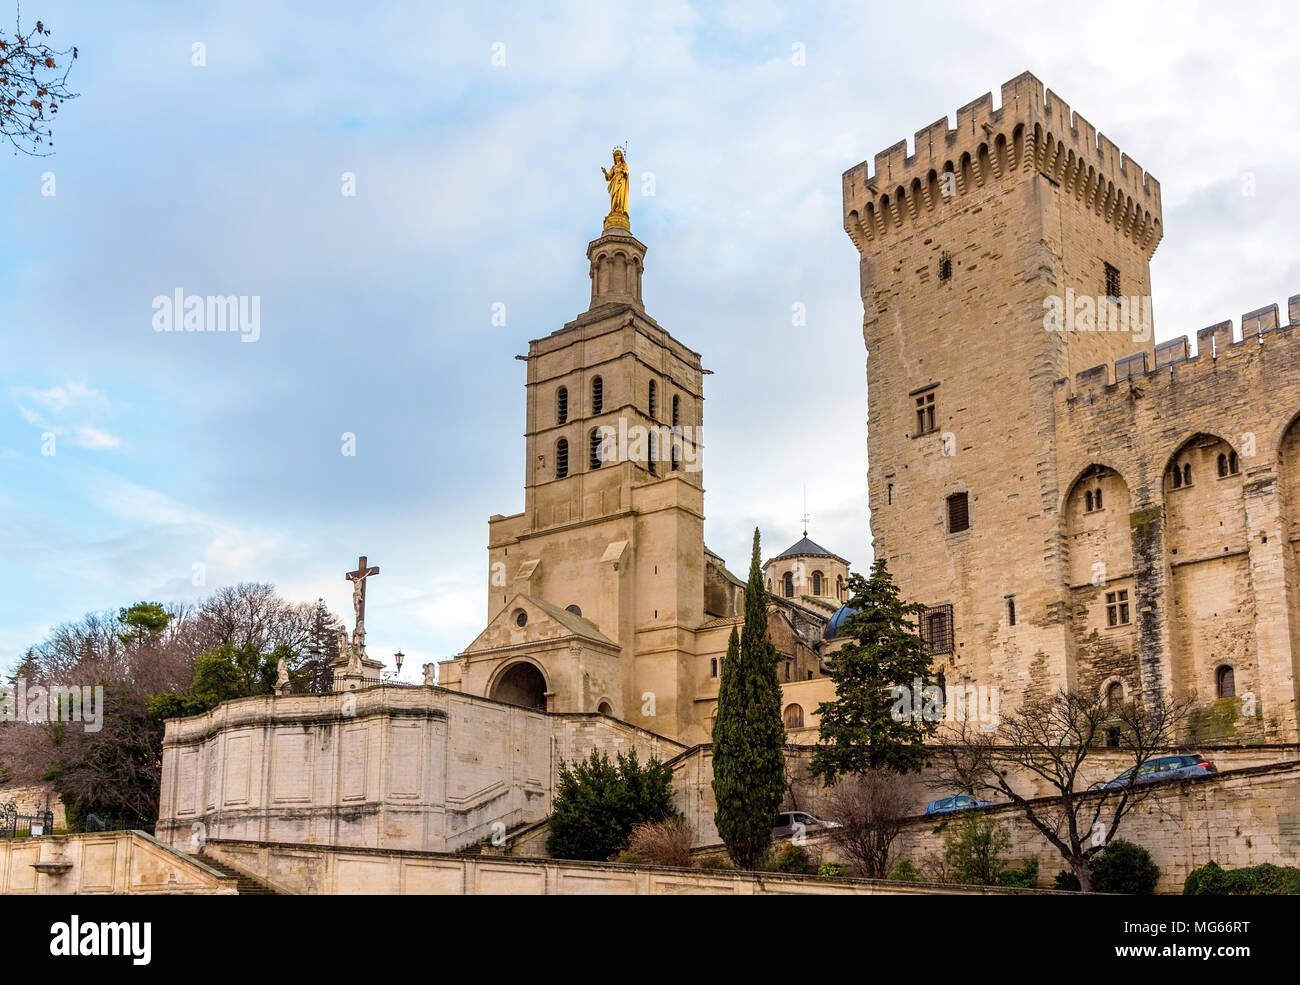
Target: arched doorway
[{"x": 522, "y": 684}]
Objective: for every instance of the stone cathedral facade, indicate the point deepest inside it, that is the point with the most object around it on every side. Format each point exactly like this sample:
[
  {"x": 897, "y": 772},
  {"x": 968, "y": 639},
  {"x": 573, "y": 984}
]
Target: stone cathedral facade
[{"x": 1076, "y": 505}]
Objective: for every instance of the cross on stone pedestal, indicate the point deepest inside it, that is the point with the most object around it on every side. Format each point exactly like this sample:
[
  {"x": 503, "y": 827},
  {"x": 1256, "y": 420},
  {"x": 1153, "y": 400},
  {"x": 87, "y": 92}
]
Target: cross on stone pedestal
[{"x": 358, "y": 579}]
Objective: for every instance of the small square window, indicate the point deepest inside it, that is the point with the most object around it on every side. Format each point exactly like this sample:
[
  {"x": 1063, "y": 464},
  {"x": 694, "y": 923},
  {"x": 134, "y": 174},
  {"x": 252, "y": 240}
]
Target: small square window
[{"x": 1117, "y": 608}]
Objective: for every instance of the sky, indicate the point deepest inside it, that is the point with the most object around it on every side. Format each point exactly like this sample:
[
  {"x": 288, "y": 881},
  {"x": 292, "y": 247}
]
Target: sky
[{"x": 474, "y": 135}]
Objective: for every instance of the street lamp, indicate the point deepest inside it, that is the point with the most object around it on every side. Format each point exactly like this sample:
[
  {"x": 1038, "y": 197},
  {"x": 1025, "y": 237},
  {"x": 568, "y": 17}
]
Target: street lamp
[{"x": 398, "y": 657}]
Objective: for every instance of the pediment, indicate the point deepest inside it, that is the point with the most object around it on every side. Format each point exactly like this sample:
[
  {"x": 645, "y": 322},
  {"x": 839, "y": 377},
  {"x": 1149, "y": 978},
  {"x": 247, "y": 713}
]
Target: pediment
[{"x": 544, "y": 623}]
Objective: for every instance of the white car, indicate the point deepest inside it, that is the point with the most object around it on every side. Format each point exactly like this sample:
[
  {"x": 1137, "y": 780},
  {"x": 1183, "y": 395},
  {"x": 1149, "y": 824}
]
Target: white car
[{"x": 789, "y": 823}]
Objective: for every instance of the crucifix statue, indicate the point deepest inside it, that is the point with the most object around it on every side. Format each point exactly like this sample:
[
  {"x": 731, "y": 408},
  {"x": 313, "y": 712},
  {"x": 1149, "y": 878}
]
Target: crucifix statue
[{"x": 358, "y": 579}]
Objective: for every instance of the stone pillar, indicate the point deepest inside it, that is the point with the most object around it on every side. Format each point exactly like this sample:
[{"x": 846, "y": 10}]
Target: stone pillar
[{"x": 1151, "y": 580}]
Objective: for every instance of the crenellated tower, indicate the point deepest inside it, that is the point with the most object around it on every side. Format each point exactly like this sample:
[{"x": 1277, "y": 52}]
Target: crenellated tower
[{"x": 967, "y": 247}]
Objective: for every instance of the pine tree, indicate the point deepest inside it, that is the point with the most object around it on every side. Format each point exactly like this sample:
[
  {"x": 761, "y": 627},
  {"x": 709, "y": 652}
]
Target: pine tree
[
  {"x": 865, "y": 727},
  {"x": 749, "y": 734}
]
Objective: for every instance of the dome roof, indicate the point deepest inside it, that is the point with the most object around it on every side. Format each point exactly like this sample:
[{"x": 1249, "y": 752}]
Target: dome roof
[
  {"x": 837, "y": 622},
  {"x": 807, "y": 548}
]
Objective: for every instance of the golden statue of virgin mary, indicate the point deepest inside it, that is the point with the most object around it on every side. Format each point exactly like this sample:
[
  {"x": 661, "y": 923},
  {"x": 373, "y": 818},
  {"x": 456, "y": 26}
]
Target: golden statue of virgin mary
[{"x": 617, "y": 178}]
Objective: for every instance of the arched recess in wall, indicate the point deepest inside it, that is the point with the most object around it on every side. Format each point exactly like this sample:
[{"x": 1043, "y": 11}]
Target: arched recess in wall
[
  {"x": 1100, "y": 584},
  {"x": 1096, "y": 514},
  {"x": 1210, "y": 596},
  {"x": 1288, "y": 482},
  {"x": 521, "y": 683}
]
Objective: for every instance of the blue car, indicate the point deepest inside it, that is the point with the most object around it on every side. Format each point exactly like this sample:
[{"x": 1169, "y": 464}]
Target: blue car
[
  {"x": 1162, "y": 769},
  {"x": 948, "y": 804}
]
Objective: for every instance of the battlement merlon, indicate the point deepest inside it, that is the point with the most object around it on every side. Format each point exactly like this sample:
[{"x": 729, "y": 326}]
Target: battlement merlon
[
  {"x": 1034, "y": 129},
  {"x": 1176, "y": 365}
]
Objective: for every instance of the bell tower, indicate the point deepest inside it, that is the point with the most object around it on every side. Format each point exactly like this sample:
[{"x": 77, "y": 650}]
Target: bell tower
[{"x": 607, "y": 556}]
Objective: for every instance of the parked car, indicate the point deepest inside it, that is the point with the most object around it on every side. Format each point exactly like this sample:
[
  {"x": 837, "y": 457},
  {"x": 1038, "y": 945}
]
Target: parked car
[
  {"x": 1164, "y": 768},
  {"x": 960, "y": 803},
  {"x": 786, "y": 822}
]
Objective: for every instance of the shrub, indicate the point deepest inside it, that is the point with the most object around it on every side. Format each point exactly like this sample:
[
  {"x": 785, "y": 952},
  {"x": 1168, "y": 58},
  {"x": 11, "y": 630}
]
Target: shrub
[
  {"x": 598, "y": 803},
  {"x": 1123, "y": 867},
  {"x": 792, "y": 858},
  {"x": 1255, "y": 880},
  {"x": 1025, "y": 877},
  {"x": 1067, "y": 880},
  {"x": 905, "y": 871},
  {"x": 976, "y": 849},
  {"x": 661, "y": 843},
  {"x": 831, "y": 870}
]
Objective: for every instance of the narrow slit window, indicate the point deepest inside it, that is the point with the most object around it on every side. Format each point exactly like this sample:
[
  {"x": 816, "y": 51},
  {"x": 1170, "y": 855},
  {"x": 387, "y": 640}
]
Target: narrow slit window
[
  {"x": 1011, "y": 610},
  {"x": 677, "y": 410},
  {"x": 561, "y": 458},
  {"x": 1112, "y": 282},
  {"x": 594, "y": 441},
  {"x": 925, "y": 413},
  {"x": 562, "y": 406},
  {"x": 653, "y": 401},
  {"x": 597, "y": 395},
  {"x": 958, "y": 513},
  {"x": 945, "y": 267}
]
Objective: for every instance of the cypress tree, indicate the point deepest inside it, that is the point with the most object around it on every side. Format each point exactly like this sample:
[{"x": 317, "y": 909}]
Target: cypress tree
[
  {"x": 866, "y": 727},
  {"x": 749, "y": 734}
]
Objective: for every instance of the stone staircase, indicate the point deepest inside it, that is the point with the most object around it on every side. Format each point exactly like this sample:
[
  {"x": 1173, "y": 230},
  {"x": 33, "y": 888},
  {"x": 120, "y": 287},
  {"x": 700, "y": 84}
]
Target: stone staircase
[{"x": 247, "y": 885}]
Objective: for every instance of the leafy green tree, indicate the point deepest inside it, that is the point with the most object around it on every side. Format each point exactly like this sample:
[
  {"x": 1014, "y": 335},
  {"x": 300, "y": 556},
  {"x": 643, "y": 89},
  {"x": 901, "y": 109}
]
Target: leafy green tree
[
  {"x": 222, "y": 674},
  {"x": 862, "y": 728},
  {"x": 749, "y": 734},
  {"x": 598, "y": 803},
  {"x": 144, "y": 622},
  {"x": 976, "y": 849}
]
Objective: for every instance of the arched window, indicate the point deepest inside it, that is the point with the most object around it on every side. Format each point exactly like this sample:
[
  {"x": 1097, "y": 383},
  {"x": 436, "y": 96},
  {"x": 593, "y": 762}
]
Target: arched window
[
  {"x": 605, "y": 709},
  {"x": 562, "y": 405},
  {"x": 597, "y": 395},
  {"x": 1223, "y": 466},
  {"x": 562, "y": 458},
  {"x": 1233, "y": 466},
  {"x": 793, "y": 716},
  {"x": 1228, "y": 464},
  {"x": 787, "y": 583},
  {"x": 654, "y": 399},
  {"x": 713, "y": 666},
  {"x": 1087, "y": 501},
  {"x": 1187, "y": 474},
  {"x": 839, "y": 587},
  {"x": 1114, "y": 696},
  {"x": 1176, "y": 475},
  {"x": 677, "y": 456},
  {"x": 1225, "y": 682},
  {"x": 817, "y": 583},
  {"x": 575, "y": 609},
  {"x": 677, "y": 410},
  {"x": 1096, "y": 499},
  {"x": 594, "y": 442}
]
